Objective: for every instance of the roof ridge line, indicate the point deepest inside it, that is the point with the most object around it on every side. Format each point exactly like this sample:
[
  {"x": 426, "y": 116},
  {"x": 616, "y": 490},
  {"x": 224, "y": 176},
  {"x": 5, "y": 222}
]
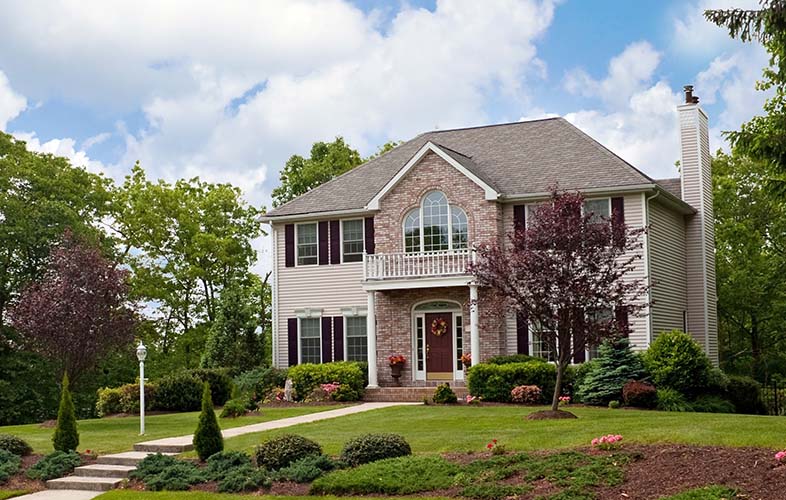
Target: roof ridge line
[{"x": 490, "y": 125}]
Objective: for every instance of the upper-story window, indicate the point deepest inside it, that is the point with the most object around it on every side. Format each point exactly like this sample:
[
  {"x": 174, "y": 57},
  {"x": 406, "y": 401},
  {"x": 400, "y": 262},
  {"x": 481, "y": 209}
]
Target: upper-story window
[
  {"x": 352, "y": 240},
  {"x": 435, "y": 225},
  {"x": 306, "y": 244},
  {"x": 600, "y": 208}
]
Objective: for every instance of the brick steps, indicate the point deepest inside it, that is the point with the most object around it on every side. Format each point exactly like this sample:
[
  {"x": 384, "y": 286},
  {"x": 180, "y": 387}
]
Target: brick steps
[{"x": 408, "y": 394}]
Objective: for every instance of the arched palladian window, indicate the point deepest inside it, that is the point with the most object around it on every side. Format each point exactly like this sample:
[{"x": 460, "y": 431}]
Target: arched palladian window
[{"x": 435, "y": 225}]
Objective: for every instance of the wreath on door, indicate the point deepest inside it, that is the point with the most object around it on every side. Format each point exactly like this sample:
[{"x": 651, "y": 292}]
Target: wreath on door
[{"x": 439, "y": 327}]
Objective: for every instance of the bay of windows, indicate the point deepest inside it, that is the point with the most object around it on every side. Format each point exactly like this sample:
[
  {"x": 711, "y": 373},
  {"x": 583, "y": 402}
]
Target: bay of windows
[{"x": 435, "y": 226}]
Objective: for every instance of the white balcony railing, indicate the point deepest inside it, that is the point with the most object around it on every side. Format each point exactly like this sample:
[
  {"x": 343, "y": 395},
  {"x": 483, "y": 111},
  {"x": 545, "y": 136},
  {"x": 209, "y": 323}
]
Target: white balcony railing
[{"x": 416, "y": 265}]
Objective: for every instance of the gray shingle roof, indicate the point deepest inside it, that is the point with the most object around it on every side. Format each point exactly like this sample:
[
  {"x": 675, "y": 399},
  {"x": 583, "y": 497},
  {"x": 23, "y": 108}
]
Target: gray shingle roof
[
  {"x": 514, "y": 158},
  {"x": 673, "y": 186}
]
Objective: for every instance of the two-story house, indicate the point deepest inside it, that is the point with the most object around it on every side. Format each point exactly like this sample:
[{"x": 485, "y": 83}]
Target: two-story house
[{"x": 365, "y": 265}]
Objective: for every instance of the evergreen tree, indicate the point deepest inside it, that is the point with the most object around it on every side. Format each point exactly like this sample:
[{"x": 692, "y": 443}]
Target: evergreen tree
[
  {"x": 207, "y": 438},
  {"x": 615, "y": 365},
  {"x": 233, "y": 340},
  {"x": 66, "y": 437}
]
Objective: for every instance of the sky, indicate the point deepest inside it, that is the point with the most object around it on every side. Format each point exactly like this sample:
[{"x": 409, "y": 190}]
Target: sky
[{"x": 227, "y": 91}]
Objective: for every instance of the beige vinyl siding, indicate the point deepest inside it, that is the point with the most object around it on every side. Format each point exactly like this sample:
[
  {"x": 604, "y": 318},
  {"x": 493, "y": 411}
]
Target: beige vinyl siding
[
  {"x": 327, "y": 287},
  {"x": 634, "y": 217},
  {"x": 667, "y": 268}
]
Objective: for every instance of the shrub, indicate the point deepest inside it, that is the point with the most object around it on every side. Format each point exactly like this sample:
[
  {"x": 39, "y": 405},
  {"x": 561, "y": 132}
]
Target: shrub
[
  {"x": 307, "y": 377},
  {"x": 54, "y": 465},
  {"x": 306, "y": 469},
  {"x": 615, "y": 365},
  {"x": 221, "y": 463},
  {"x": 672, "y": 400},
  {"x": 717, "y": 382},
  {"x": 129, "y": 397},
  {"x": 710, "y": 403},
  {"x": 235, "y": 408},
  {"x": 246, "y": 478},
  {"x": 373, "y": 447},
  {"x": 580, "y": 374},
  {"x": 66, "y": 437},
  {"x": 526, "y": 394},
  {"x": 15, "y": 445},
  {"x": 745, "y": 394},
  {"x": 152, "y": 465},
  {"x": 162, "y": 472},
  {"x": 108, "y": 401},
  {"x": 259, "y": 382},
  {"x": 639, "y": 394},
  {"x": 179, "y": 392},
  {"x": 281, "y": 451},
  {"x": 207, "y": 438},
  {"x": 219, "y": 380},
  {"x": 444, "y": 395},
  {"x": 494, "y": 382},
  {"x": 677, "y": 362},
  {"x": 394, "y": 476},
  {"x": 614, "y": 404},
  {"x": 10, "y": 463},
  {"x": 513, "y": 358}
]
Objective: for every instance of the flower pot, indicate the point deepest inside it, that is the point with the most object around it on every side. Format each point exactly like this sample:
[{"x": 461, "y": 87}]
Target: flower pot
[{"x": 395, "y": 372}]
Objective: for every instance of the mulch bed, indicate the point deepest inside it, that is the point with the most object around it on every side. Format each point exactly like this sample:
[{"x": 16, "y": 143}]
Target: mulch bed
[{"x": 550, "y": 415}]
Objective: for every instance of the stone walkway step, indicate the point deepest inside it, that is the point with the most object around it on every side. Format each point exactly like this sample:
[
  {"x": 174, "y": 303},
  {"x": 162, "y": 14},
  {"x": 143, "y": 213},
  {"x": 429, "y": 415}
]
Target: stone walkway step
[
  {"x": 163, "y": 448},
  {"x": 104, "y": 470},
  {"x": 84, "y": 483},
  {"x": 129, "y": 458}
]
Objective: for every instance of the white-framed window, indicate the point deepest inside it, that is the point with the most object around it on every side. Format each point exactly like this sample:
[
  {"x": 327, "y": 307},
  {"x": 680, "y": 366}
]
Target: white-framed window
[
  {"x": 420, "y": 343},
  {"x": 310, "y": 340},
  {"x": 352, "y": 240},
  {"x": 600, "y": 208},
  {"x": 435, "y": 225},
  {"x": 307, "y": 245},
  {"x": 539, "y": 348},
  {"x": 356, "y": 340},
  {"x": 459, "y": 340}
]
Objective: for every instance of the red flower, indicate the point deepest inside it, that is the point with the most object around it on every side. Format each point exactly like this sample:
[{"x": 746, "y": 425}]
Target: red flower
[
  {"x": 494, "y": 441},
  {"x": 489, "y": 446}
]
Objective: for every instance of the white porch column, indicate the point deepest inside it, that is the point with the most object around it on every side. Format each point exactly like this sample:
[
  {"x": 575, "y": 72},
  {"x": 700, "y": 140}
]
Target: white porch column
[
  {"x": 474, "y": 332},
  {"x": 371, "y": 335}
]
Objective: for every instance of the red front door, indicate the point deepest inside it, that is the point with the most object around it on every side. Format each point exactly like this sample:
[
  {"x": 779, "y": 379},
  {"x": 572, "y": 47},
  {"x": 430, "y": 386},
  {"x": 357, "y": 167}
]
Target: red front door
[{"x": 439, "y": 346}]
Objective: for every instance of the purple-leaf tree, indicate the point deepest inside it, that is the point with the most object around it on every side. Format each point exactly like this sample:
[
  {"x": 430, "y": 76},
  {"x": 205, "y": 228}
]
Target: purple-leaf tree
[
  {"x": 78, "y": 311},
  {"x": 567, "y": 272}
]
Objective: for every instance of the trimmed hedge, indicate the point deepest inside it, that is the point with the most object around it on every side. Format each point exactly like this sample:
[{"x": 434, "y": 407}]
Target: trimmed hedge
[
  {"x": 307, "y": 377},
  {"x": 506, "y": 359},
  {"x": 372, "y": 447},
  {"x": 15, "y": 445},
  {"x": 124, "y": 399},
  {"x": 283, "y": 450},
  {"x": 495, "y": 382},
  {"x": 179, "y": 392},
  {"x": 745, "y": 394}
]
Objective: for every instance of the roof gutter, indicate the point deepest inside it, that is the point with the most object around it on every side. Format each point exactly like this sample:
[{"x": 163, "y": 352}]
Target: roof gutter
[{"x": 314, "y": 215}]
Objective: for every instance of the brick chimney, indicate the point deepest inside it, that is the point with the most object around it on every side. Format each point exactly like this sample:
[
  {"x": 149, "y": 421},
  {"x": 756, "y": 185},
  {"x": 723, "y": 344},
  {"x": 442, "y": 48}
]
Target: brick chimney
[{"x": 695, "y": 161}]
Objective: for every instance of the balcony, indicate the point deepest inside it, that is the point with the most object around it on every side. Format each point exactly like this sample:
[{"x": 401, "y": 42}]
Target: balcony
[{"x": 403, "y": 266}]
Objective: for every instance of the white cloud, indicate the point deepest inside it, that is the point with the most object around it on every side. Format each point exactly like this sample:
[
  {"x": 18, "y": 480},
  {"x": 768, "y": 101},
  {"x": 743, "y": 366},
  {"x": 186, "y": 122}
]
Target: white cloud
[
  {"x": 96, "y": 139},
  {"x": 65, "y": 147},
  {"x": 11, "y": 103},
  {"x": 695, "y": 37}
]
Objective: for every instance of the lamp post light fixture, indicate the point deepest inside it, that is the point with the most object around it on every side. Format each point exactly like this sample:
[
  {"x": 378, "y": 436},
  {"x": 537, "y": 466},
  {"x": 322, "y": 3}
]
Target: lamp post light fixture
[{"x": 141, "y": 354}]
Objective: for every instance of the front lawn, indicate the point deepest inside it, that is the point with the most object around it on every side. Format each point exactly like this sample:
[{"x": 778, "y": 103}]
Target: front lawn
[
  {"x": 115, "y": 434},
  {"x": 6, "y": 494},
  {"x": 431, "y": 429}
]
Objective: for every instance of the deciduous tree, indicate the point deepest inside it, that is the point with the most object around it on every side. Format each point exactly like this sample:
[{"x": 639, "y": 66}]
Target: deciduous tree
[{"x": 566, "y": 271}]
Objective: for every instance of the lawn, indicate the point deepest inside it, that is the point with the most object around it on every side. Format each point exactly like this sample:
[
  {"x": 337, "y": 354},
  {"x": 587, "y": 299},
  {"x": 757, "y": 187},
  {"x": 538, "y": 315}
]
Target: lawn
[
  {"x": 6, "y": 494},
  {"x": 110, "y": 435},
  {"x": 201, "y": 495},
  {"x": 431, "y": 429}
]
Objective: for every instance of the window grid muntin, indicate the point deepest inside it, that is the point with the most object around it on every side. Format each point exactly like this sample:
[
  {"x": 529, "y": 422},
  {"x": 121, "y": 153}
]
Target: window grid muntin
[
  {"x": 310, "y": 341},
  {"x": 460, "y": 231},
  {"x": 357, "y": 340},
  {"x": 430, "y": 227},
  {"x": 436, "y": 222},
  {"x": 352, "y": 240},
  {"x": 539, "y": 347},
  {"x": 412, "y": 231},
  {"x": 307, "y": 245}
]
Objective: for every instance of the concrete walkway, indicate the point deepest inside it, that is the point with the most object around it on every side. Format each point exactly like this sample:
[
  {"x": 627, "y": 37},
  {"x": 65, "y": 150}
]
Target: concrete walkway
[
  {"x": 60, "y": 495},
  {"x": 184, "y": 443}
]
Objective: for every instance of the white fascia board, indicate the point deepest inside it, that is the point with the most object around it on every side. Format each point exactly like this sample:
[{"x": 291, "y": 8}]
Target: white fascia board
[
  {"x": 313, "y": 215},
  {"x": 370, "y": 285},
  {"x": 489, "y": 192}
]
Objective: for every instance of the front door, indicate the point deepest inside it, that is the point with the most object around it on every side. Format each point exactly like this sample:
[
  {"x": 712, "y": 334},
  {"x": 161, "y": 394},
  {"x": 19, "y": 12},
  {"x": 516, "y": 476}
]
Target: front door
[{"x": 439, "y": 346}]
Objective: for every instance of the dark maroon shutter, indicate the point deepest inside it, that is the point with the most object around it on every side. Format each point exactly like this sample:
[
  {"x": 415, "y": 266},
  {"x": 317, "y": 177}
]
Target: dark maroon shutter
[
  {"x": 369, "y": 235},
  {"x": 519, "y": 217},
  {"x": 335, "y": 242},
  {"x": 289, "y": 245},
  {"x": 326, "y": 344},
  {"x": 617, "y": 211},
  {"x": 338, "y": 338},
  {"x": 621, "y": 317},
  {"x": 322, "y": 242},
  {"x": 522, "y": 334},
  {"x": 292, "y": 340}
]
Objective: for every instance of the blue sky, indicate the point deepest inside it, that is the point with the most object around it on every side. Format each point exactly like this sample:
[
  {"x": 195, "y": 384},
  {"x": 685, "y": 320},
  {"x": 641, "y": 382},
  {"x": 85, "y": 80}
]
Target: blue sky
[{"x": 228, "y": 94}]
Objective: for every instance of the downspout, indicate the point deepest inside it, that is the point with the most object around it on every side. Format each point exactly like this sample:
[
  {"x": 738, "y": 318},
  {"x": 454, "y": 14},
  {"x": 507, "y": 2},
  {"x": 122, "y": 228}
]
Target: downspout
[{"x": 647, "y": 263}]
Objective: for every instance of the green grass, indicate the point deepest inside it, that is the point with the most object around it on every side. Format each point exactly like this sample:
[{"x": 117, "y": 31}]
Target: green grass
[
  {"x": 5, "y": 494},
  {"x": 110, "y": 435},
  {"x": 431, "y": 429},
  {"x": 201, "y": 495},
  {"x": 705, "y": 493}
]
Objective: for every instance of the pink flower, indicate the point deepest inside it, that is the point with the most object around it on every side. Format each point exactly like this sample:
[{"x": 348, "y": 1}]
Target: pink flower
[{"x": 780, "y": 456}]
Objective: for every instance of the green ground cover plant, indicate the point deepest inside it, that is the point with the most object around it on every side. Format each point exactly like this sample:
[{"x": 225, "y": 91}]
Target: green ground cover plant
[
  {"x": 54, "y": 465},
  {"x": 6, "y": 494},
  {"x": 705, "y": 493}
]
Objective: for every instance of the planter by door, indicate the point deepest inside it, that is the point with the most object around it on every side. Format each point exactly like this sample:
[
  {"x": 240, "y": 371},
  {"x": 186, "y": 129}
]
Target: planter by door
[{"x": 439, "y": 349}]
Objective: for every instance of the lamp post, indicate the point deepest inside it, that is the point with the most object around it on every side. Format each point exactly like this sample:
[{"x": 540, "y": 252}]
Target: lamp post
[{"x": 141, "y": 354}]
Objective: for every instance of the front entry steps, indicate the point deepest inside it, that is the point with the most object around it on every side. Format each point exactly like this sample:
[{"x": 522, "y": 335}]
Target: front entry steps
[
  {"x": 106, "y": 474},
  {"x": 408, "y": 394}
]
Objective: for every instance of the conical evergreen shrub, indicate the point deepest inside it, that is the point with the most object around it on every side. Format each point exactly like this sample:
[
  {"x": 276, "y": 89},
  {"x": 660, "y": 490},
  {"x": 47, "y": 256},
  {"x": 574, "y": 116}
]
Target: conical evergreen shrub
[
  {"x": 615, "y": 365},
  {"x": 207, "y": 438},
  {"x": 66, "y": 437}
]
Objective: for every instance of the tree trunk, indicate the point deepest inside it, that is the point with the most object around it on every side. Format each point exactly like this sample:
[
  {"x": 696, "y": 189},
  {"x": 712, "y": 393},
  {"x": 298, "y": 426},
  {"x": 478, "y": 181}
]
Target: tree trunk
[
  {"x": 755, "y": 347},
  {"x": 558, "y": 385}
]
